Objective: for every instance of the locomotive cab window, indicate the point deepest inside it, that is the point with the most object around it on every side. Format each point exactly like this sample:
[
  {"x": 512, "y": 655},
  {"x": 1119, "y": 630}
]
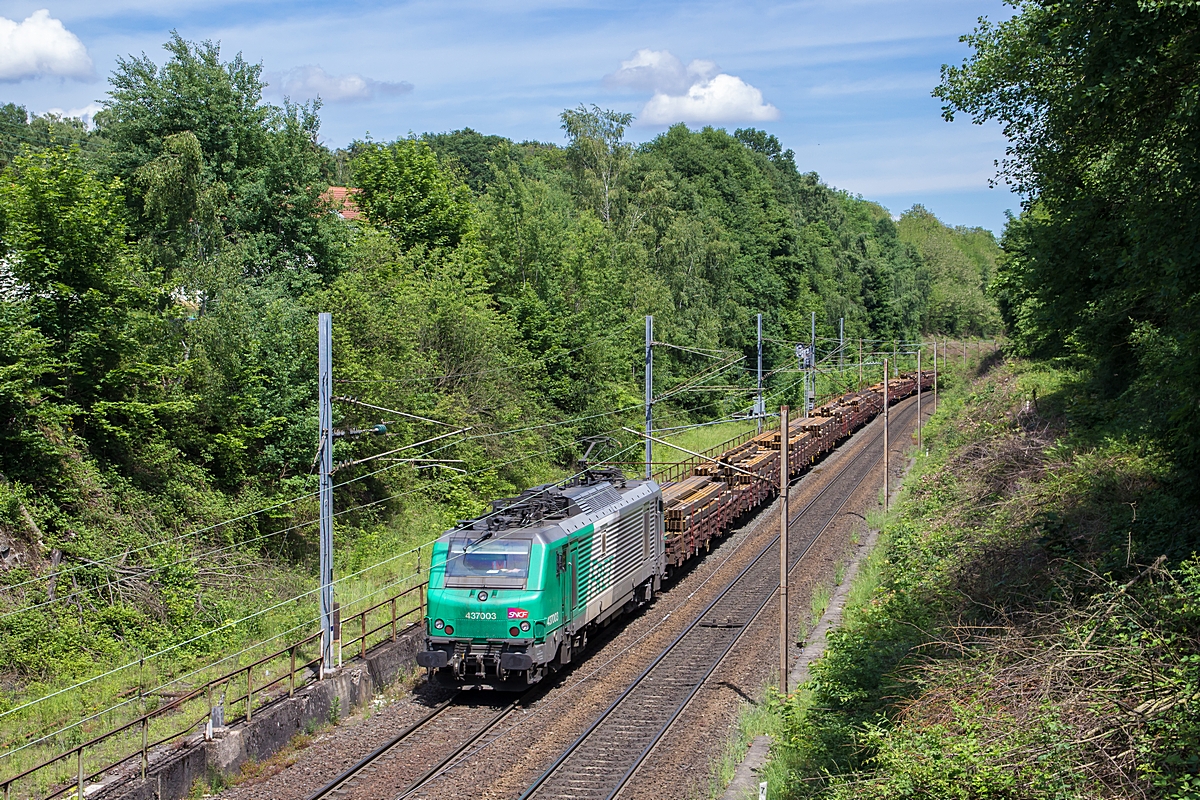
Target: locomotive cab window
[{"x": 491, "y": 562}]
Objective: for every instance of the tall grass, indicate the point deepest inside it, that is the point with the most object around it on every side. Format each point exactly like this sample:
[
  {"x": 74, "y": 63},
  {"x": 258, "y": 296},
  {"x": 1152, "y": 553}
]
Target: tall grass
[
  {"x": 698, "y": 440},
  {"x": 369, "y": 568}
]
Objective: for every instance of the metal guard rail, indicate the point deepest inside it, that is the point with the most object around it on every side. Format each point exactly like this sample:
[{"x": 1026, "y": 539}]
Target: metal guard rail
[
  {"x": 306, "y": 669},
  {"x": 84, "y": 774}
]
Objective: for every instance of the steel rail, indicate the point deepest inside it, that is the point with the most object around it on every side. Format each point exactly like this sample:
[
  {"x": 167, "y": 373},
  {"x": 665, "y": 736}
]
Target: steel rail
[
  {"x": 717, "y": 663},
  {"x": 380, "y": 752},
  {"x": 769, "y": 548},
  {"x": 346, "y": 775},
  {"x": 436, "y": 770}
]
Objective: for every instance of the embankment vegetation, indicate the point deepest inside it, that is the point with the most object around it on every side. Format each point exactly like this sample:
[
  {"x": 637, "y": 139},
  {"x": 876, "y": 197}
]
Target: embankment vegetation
[
  {"x": 160, "y": 276},
  {"x": 1030, "y": 626}
]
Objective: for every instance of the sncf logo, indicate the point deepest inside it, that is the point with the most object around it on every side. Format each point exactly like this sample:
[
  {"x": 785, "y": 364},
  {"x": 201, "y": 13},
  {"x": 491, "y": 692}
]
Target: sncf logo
[{"x": 518, "y": 613}]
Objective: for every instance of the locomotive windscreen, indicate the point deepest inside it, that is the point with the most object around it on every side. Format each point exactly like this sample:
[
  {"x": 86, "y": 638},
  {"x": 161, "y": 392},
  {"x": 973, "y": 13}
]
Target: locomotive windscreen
[{"x": 491, "y": 562}]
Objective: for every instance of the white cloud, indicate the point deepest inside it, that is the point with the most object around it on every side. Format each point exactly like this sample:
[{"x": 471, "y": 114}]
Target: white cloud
[
  {"x": 86, "y": 113},
  {"x": 311, "y": 80},
  {"x": 40, "y": 45},
  {"x": 659, "y": 71},
  {"x": 698, "y": 92},
  {"x": 724, "y": 98}
]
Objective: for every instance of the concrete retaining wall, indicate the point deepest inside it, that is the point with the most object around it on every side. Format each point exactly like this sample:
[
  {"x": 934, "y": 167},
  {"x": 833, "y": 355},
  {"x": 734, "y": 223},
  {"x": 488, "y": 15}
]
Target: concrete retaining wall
[{"x": 173, "y": 771}]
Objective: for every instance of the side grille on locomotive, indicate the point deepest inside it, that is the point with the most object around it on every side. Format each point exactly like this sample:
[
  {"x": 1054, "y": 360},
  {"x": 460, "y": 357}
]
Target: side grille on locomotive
[{"x": 599, "y": 497}]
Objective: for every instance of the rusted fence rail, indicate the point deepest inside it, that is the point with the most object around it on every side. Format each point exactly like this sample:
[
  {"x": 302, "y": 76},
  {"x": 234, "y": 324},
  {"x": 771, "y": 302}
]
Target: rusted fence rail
[
  {"x": 234, "y": 695},
  {"x": 238, "y": 693}
]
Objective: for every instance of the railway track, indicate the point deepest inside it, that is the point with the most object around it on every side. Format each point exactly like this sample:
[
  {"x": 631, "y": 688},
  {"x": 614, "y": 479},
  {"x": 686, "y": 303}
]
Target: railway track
[
  {"x": 602, "y": 759},
  {"x": 600, "y": 762},
  {"x": 418, "y": 754}
]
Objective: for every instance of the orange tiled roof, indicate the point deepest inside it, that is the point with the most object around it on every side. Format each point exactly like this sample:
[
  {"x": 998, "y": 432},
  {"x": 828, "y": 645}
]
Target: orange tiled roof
[{"x": 343, "y": 198}]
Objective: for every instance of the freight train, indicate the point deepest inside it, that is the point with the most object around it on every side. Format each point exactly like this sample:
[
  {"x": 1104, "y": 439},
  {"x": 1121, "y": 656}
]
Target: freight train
[{"x": 514, "y": 594}]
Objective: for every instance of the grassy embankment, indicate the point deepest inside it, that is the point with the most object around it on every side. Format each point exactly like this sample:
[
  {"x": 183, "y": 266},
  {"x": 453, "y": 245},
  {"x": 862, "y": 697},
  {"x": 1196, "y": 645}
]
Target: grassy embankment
[
  {"x": 1029, "y": 626},
  {"x": 370, "y": 565}
]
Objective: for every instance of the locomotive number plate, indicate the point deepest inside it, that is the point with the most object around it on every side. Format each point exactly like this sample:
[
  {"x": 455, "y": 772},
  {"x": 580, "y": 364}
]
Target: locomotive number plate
[{"x": 481, "y": 615}]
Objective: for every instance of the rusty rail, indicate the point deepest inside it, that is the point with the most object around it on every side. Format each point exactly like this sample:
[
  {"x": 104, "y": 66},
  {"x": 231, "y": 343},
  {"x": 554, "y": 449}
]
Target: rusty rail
[
  {"x": 247, "y": 694},
  {"x": 253, "y": 696}
]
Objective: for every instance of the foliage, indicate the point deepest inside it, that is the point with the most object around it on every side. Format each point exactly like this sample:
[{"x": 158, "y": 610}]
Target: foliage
[
  {"x": 1099, "y": 102},
  {"x": 258, "y": 172},
  {"x": 1023, "y": 638},
  {"x": 597, "y": 154},
  {"x": 405, "y": 191},
  {"x": 64, "y": 249},
  {"x": 468, "y": 154},
  {"x": 18, "y": 128},
  {"x": 959, "y": 263}
]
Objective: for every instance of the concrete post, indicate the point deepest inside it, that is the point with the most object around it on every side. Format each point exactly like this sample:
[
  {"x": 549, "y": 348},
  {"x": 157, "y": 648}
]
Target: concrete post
[{"x": 784, "y": 468}]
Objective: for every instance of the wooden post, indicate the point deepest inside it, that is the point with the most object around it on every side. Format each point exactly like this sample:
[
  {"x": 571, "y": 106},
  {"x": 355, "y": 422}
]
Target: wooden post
[
  {"x": 362, "y": 642},
  {"x": 886, "y": 415},
  {"x": 292, "y": 675},
  {"x": 393, "y": 619},
  {"x": 249, "y": 693},
  {"x": 783, "y": 553},
  {"x": 145, "y": 740},
  {"x": 79, "y": 770}
]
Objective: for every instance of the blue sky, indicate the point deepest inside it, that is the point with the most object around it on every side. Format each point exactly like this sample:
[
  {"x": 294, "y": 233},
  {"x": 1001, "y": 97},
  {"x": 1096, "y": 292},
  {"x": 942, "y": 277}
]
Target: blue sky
[{"x": 846, "y": 85}]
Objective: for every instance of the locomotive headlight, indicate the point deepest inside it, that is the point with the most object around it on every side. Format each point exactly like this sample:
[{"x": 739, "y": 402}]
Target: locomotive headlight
[
  {"x": 525, "y": 626},
  {"x": 438, "y": 624},
  {"x": 449, "y": 631},
  {"x": 513, "y": 631}
]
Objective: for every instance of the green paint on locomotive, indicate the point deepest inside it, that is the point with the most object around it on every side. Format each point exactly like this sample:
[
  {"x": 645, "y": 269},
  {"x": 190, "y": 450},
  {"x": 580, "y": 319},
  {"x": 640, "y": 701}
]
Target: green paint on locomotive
[
  {"x": 512, "y": 596},
  {"x": 543, "y": 601}
]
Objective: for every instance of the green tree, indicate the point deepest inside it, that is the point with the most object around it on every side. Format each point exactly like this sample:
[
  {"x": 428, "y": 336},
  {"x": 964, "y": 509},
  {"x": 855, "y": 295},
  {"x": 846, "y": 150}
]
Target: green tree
[
  {"x": 959, "y": 262},
  {"x": 220, "y": 103},
  {"x": 597, "y": 153},
  {"x": 18, "y": 129},
  {"x": 1101, "y": 106},
  {"x": 468, "y": 152},
  {"x": 406, "y": 191},
  {"x": 62, "y": 231},
  {"x": 258, "y": 172}
]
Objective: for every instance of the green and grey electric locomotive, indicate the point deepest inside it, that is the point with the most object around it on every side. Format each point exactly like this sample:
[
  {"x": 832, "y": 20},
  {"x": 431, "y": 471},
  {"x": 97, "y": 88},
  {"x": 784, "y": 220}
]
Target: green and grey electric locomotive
[{"x": 513, "y": 595}]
